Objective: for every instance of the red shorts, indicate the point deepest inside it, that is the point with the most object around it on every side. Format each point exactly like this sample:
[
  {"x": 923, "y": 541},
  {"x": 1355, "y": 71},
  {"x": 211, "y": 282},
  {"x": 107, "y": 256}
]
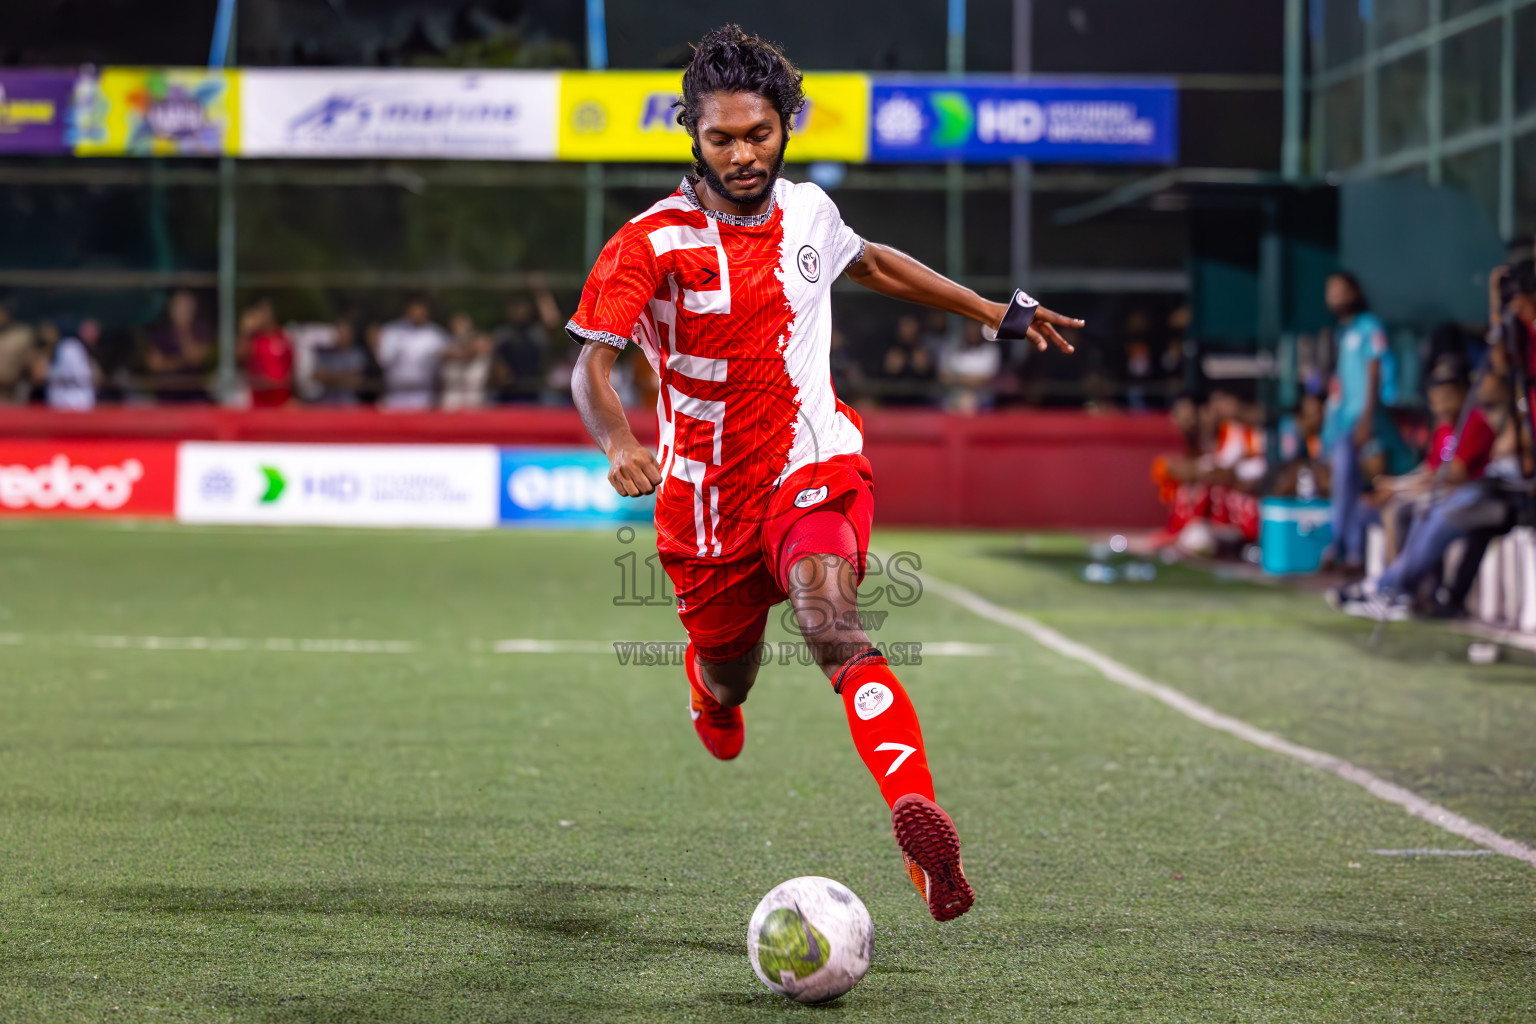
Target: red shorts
[{"x": 724, "y": 602}]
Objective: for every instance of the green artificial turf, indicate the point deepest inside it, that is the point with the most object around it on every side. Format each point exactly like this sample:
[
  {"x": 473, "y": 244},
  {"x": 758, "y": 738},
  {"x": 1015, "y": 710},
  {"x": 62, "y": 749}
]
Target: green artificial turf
[{"x": 276, "y": 826}]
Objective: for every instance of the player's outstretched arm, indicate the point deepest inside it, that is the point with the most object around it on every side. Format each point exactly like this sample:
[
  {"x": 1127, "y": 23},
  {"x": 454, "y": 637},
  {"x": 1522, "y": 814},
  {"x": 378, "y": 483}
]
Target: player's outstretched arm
[
  {"x": 894, "y": 273},
  {"x": 632, "y": 467}
]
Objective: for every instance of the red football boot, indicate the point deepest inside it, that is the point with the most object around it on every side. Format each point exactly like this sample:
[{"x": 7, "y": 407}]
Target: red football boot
[
  {"x": 720, "y": 728},
  {"x": 931, "y": 847}
]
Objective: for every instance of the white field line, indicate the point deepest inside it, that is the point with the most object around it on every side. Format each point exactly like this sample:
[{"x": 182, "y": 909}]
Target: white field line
[
  {"x": 337, "y": 645},
  {"x": 532, "y": 645},
  {"x": 1429, "y": 852},
  {"x": 959, "y": 649},
  {"x": 1191, "y": 708}
]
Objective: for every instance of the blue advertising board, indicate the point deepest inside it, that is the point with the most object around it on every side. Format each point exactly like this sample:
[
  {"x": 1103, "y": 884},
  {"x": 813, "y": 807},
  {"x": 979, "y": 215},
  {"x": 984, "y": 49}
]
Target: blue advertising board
[
  {"x": 564, "y": 487},
  {"x": 981, "y": 121}
]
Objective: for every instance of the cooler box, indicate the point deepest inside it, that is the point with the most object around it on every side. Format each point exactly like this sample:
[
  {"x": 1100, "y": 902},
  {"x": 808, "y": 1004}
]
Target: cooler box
[{"x": 1293, "y": 533}]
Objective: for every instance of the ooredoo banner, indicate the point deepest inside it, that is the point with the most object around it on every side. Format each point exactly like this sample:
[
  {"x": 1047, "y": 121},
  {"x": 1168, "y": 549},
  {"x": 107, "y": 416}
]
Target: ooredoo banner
[
  {"x": 338, "y": 485},
  {"x": 86, "y": 478},
  {"x": 564, "y": 487},
  {"x": 479, "y": 115}
]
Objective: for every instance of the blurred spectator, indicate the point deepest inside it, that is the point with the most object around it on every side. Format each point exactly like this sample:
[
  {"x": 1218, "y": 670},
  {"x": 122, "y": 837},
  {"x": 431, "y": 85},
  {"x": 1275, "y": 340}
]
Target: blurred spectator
[
  {"x": 410, "y": 352},
  {"x": 1177, "y": 347},
  {"x": 341, "y": 367},
  {"x": 267, "y": 355},
  {"x": 1433, "y": 499},
  {"x": 1303, "y": 472},
  {"x": 1138, "y": 359},
  {"x": 968, "y": 370},
  {"x": 1461, "y": 448},
  {"x": 848, "y": 381},
  {"x": 17, "y": 342},
  {"x": 180, "y": 352},
  {"x": 521, "y": 344},
  {"x": 71, "y": 371},
  {"x": 1212, "y": 487},
  {"x": 1359, "y": 435},
  {"x": 466, "y": 365},
  {"x": 907, "y": 371},
  {"x": 934, "y": 335}
]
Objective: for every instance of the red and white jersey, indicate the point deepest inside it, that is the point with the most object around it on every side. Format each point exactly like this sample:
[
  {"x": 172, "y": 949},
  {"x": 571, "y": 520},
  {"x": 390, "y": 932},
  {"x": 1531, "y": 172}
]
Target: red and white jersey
[{"x": 735, "y": 315}]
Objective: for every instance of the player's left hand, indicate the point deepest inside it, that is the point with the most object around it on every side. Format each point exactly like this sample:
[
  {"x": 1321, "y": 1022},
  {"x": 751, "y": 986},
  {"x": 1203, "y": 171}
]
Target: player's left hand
[{"x": 1043, "y": 330}]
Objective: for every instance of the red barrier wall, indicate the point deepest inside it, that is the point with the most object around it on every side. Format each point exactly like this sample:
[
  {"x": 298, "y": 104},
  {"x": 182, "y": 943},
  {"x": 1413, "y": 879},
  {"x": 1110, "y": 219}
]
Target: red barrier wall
[{"x": 1024, "y": 469}]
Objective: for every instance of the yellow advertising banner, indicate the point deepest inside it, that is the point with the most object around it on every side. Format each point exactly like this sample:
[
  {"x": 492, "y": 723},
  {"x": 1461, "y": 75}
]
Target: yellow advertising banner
[
  {"x": 159, "y": 112},
  {"x": 627, "y": 116}
]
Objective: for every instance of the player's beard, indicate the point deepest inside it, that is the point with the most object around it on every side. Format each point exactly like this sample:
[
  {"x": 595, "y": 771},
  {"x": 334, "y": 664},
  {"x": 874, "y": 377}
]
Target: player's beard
[{"x": 708, "y": 174}]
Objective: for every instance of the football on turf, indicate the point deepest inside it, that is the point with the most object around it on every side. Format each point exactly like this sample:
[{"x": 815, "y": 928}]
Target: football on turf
[{"x": 811, "y": 939}]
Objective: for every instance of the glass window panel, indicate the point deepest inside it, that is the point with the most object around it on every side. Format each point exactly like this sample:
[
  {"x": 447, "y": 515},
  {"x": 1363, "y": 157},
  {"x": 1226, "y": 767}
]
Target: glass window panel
[
  {"x": 1402, "y": 104},
  {"x": 1525, "y": 185},
  {"x": 1343, "y": 31},
  {"x": 1471, "y": 84},
  {"x": 1477, "y": 174},
  {"x": 1453, "y": 8},
  {"x": 1344, "y": 113},
  {"x": 1525, "y": 70},
  {"x": 1396, "y": 19}
]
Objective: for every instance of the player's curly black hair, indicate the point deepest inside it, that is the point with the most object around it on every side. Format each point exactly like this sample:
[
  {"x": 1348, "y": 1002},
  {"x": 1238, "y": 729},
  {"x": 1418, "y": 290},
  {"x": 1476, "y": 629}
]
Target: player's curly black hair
[{"x": 730, "y": 60}]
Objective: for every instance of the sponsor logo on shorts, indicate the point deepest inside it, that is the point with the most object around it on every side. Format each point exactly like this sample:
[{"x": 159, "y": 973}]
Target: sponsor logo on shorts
[
  {"x": 871, "y": 700},
  {"x": 810, "y": 264},
  {"x": 810, "y": 496}
]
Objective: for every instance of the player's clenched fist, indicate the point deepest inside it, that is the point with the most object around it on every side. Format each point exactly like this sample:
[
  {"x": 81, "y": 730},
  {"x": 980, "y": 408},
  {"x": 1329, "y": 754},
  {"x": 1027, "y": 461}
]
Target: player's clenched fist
[{"x": 633, "y": 470}]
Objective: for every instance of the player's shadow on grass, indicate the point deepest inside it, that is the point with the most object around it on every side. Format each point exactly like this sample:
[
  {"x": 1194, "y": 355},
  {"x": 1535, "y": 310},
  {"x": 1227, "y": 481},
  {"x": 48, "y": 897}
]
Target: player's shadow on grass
[
  {"x": 536, "y": 925},
  {"x": 557, "y": 909}
]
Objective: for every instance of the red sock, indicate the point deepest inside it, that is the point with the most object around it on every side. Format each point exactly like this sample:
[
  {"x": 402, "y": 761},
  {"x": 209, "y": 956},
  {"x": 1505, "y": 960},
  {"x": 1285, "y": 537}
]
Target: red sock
[{"x": 884, "y": 727}]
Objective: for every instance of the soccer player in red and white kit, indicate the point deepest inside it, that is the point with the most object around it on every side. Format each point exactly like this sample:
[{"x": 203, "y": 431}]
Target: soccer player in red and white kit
[{"x": 764, "y": 495}]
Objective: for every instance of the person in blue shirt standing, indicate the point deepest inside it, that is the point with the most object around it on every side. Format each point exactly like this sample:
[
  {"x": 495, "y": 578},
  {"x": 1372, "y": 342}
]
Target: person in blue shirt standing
[{"x": 1358, "y": 431}]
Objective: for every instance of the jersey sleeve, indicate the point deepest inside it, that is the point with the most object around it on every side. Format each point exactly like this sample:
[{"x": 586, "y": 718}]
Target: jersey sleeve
[
  {"x": 845, "y": 246},
  {"x": 621, "y": 283}
]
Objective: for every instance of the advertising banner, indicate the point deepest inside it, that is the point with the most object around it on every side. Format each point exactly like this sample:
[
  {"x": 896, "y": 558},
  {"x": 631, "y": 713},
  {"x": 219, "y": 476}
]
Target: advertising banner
[
  {"x": 564, "y": 487},
  {"x": 473, "y": 115},
  {"x": 982, "y": 122},
  {"x": 158, "y": 112},
  {"x": 628, "y": 116},
  {"x": 337, "y": 485},
  {"x": 87, "y": 478},
  {"x": 35, "y": 111}
]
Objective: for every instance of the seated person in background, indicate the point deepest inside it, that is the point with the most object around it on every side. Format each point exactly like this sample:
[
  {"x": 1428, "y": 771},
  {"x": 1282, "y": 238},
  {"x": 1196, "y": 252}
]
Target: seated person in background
[
  {"x": 340, "y": 368},
  {"x": 1435, "y": 496},
  {"x": 907, "y": 371},
  {"x": 1303, "y": 472},
  {"x": 1214, "y": 504},
  {"x": 521, "y": 345},
  {"x": 410, "y": 352},
  {"x": 180, "y": 352},
  {"x": 466, "y": 365},
  {"x": 1457, "y": 452},
  {"x": 17, "y": 344},
  {"x": 267, "y": 355},
  {"x": 70, "y": 372},
  {"x": 969, "y": 370}
]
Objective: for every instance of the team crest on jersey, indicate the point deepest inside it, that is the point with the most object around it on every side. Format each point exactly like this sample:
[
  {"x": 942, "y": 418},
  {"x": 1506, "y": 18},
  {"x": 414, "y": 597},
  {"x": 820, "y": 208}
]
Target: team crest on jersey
[
  {"x": 871, "y": 699},
  {"x": 810, "y": 264},
  {"x": 810, "y": 496}
]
